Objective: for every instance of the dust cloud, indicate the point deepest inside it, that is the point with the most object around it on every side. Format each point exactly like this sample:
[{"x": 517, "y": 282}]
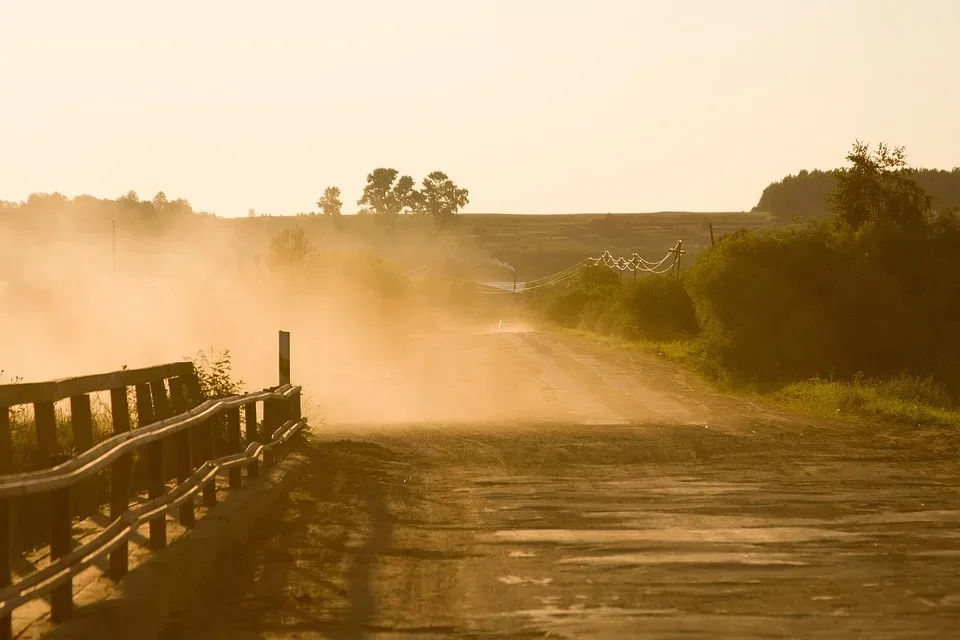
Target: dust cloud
[{"x": 367, "y": 344}]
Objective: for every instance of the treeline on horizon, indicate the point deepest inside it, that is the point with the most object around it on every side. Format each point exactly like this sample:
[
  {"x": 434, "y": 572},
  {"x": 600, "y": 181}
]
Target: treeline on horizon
[
  {"x": 43, "y": 207},
  {"x": 805, "y": 194}
]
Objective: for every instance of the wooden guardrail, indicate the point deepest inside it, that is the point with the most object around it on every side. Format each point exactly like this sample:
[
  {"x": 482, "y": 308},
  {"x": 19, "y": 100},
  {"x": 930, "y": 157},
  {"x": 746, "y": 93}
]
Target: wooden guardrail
[{"x": 174, "y": 419}]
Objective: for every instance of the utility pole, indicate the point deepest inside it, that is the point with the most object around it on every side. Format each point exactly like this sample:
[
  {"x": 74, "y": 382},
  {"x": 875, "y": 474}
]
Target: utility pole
[{"x": 677, "y": 251}]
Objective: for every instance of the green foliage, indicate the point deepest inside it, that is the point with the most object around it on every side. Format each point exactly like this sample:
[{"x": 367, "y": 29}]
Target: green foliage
[
  {"x": 215, "y": 373},
  {"x": 386, "y": 196},
  {"x": 909, "y": 399},
  {"x": 806, "y": 194},
  {"x": 441, "y": 198},
  {"x": 654, "y": 307},
  {"x": 878, "y": 188},
  {"x": 872, "y": 290},
  {"x": 330, "y": 203}
]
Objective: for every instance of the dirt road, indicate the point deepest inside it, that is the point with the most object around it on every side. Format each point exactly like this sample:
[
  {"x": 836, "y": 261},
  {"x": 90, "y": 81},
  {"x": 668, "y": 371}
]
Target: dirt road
[{"x": 622, "y": 500}]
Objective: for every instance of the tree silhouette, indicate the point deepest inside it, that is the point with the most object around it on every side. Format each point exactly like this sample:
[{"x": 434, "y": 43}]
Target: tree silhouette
[
  {"x": 441, "y": 198},
  {"x": 379, "y": 196},
  {"x": 878, "y": 188},
  {"x": 330, "y": 203}
]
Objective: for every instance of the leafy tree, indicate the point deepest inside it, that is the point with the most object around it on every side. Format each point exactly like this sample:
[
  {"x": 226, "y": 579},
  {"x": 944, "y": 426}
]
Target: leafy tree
[
  {"x": 806, "y": 194},
  {"x": 129, "y": 201},
  {"x": 160, "y": 202},
  {"x": 330, "y": 202},
  {"x": 46, "y": 201},
  {"x": 251, "y": 213},
  {"x": 386, "y": 196},
  {"x": 407, "y": 196},
  {"x": 180, "y": 205},
  {"x": 289, "y": 249},
  {"x": 441, "y": 198},
  {"x": 878, "y": 188}
]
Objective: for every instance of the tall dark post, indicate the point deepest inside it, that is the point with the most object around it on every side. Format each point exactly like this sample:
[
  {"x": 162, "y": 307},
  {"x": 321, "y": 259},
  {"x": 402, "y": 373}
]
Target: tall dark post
[
  {"x": 154, "y": 455},
  {"x": 712, "y": 243},
  {"x": 81, "y": 422},
  {"x": 119, "y": 479},
  {"x": 284, "y": 358},
  {"x": 233, "y": 445},
  {"x": 250, "y": 423},
  {"x": 178, "y": 401},
  {"x": 6, "y": 464}
]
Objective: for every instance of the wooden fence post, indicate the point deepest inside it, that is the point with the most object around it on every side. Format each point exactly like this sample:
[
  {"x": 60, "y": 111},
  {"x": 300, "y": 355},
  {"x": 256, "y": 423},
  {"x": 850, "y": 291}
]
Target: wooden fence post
[
  {"x": 45, "y": 420},
  {"x": 81, "y": 422},
  {"x": 6, "y": 466},
  {"x": 284, "y": 358},
  {"x": 250, "y": 424},
  {"x": 61, "y": 599},
  {"x": 233, "y": 445},
  {"x": 269, "y": 426},
  {"x": 178, "y": 400},
  {"x": 154, "y": 455},
  {"x": 119, "y": 479},
  {"x": 205, "y": 434},
  {"x": 161, "y": 411}
]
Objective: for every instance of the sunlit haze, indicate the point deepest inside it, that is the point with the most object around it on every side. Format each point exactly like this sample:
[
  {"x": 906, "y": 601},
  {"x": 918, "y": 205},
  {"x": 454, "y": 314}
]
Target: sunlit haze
[{"x": 535, "y": 106}]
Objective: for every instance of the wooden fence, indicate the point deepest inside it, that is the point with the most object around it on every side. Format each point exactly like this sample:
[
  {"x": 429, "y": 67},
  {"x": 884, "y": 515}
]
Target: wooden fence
[{"x": 174, "y": 421}]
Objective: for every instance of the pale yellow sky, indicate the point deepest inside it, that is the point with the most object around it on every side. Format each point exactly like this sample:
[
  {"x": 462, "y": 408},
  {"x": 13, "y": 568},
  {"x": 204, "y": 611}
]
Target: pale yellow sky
[{"x": 536, "y": 106}]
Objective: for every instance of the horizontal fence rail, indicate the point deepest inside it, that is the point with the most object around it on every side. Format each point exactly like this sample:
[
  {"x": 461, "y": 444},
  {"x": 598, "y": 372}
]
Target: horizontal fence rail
[{"x": 176, "y": 440}]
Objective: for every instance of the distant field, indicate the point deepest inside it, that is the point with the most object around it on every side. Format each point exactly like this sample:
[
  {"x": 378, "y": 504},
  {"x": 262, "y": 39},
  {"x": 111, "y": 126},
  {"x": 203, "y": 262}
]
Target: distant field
[
  {"x": 536, "y": 245},
  {"x": 541, "y": 244}
]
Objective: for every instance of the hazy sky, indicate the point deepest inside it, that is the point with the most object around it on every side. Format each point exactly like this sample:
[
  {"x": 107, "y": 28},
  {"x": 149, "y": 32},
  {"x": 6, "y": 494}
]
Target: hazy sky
[{"x": 534, "y": 105}]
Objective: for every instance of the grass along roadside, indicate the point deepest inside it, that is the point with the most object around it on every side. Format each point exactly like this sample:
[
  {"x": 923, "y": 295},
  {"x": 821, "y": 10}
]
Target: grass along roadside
[{"x": 905, "y": 400}]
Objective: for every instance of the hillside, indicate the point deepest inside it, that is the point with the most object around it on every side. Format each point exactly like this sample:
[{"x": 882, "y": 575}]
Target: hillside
[
  {"x": 536, "y": 245},
  {"x": 805, "y": 194}
]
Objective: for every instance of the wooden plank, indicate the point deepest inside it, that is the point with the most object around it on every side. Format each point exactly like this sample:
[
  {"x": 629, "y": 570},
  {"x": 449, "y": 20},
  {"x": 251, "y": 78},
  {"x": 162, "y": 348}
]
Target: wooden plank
[
  {"x": 6, "y": 442},
  {"x": 81, "y": 423},
  {"x": 233, "y": 445},
  {"x": 155, "y": 489},
  {"x": 6, "y": 540},
  {"x": 205, "y": 432},
  {"x": 61, "y": 600},
  {"x": 153, "y": 453},
  {"x": 144, "y": 404},
  {"x": 182, "y": 439},
  {"x": 120, "y": 480},
  {"x": 271, "y": 420},
  {"x": 161, "y": 411},
  {"x": 161, "y": 403},
  {"x": 250, "y": 424},
  {"x": 45, "y": 422},
  {"x": 53, "y": 390}
]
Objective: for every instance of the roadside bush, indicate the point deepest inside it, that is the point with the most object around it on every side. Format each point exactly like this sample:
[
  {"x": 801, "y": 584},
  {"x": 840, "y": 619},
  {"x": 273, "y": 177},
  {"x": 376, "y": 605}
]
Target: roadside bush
[
  {"x": 834, "y": 298},
  {"x": 655, "y": 307}
]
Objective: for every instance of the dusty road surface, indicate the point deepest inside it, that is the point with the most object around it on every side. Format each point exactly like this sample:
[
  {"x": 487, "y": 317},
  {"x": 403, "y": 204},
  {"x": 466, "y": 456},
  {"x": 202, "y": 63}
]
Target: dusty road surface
[{"x": 597, "y": 494}]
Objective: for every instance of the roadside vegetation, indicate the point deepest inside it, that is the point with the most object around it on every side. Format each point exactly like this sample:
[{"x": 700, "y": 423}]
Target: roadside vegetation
[{"x": 856, "y": 313}]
